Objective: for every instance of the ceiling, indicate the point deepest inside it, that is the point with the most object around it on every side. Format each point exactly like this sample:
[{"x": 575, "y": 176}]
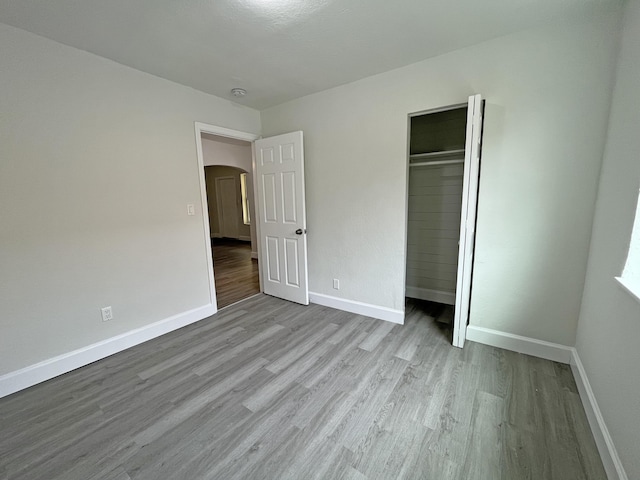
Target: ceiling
[{"x": 279, "y": 50}]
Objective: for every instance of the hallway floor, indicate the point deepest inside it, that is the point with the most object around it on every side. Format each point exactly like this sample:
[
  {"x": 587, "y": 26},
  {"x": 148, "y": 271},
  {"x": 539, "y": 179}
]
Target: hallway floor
[{"x": 236, "y": 273}]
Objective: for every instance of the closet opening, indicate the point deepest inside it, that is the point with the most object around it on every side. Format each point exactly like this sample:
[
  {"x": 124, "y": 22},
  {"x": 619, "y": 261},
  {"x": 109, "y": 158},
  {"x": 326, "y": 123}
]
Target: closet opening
[{"x": 443, "y": 165}]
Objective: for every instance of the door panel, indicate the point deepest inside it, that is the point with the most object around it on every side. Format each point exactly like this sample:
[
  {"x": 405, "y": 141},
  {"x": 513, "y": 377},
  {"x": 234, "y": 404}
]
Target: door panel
[
  {"x": 273, "y": 260},
  {"x": 292, "y": 267},
  {"x": 282, "y": 218},
  {"x": 288, "y": 155},
  {"x": 226, "y": 188},
  {"x": 289, "y": 197},
  {"x": 468, "y": 219},
  {"x": 269, "y": 204},
  {"x": 267, "y": 157}
]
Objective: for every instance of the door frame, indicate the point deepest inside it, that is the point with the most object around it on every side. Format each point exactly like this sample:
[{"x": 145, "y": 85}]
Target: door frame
[
  {"x": 459, "y": 331},
  {"x": 201, "y": 128}
]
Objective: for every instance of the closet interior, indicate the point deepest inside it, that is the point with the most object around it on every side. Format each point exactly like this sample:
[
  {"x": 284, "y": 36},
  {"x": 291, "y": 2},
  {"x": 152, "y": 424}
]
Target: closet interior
[{"x": 436, "y": 172}]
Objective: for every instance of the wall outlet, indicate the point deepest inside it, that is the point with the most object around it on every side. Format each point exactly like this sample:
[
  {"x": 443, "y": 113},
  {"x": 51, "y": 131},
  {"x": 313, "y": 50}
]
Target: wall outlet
[
  {"x": 336, "y": 284},
  {"x": 191, "y": 209},
  {"x": 107, "y": 314}
]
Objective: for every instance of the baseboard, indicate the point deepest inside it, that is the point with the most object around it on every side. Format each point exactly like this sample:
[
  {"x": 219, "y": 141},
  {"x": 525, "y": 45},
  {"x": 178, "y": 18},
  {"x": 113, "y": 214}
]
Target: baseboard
[
  {"x": 516, "y": 343},
  {"x": 430, "y": 295},
  {"x": 360, "y": 308},
  {"x": 215, "y": 235},
  {"x": 254, "y": 255},
  {"x": 244, "y": 238},
  {"x": 608, "y": 453},
  {"x": 47, "y": 369}
]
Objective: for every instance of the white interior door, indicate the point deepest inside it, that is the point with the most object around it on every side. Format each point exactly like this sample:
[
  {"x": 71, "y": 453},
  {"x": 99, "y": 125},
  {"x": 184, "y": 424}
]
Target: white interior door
[
  {"x": 281, "y": 216},
  {"x": 468, "y": 219},
  {"x": 227, "y": 193}
]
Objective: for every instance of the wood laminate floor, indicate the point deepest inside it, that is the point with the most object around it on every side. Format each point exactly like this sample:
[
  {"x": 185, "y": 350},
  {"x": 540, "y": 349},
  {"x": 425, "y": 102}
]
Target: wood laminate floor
[
  {"x": 235, "y": 272},
  {"x": 267, "y": 389}
]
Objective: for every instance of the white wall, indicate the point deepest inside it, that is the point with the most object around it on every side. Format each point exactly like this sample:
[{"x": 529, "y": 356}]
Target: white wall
[
  {"x": 233, "y": 153},
  {"x": 547, "y": 94},
  {"x": 97, "y": 166},
  {"x": 609, "y": 326}
]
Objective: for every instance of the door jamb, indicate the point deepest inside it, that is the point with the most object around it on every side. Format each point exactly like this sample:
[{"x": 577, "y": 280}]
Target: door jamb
[{"x": 201, "y": 128}]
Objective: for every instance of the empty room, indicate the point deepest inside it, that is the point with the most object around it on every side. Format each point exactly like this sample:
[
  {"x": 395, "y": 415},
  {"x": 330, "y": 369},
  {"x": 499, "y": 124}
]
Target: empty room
[{"x": 327, "y": 239}]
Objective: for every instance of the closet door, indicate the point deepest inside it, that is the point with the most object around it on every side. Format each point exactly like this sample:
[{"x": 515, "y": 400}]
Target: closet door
[{"x": 468, "y": 219}]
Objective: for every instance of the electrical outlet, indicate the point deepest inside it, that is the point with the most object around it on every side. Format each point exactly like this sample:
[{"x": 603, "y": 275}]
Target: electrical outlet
[
  {"x": 191, "y": 209},
  {"x": 336, "y": 284},
  {"x": 107, "y": 314}
]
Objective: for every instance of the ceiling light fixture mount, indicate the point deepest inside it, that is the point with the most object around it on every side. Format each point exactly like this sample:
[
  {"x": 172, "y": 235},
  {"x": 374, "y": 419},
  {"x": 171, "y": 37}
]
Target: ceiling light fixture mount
[{"x": 238, "y": 92}]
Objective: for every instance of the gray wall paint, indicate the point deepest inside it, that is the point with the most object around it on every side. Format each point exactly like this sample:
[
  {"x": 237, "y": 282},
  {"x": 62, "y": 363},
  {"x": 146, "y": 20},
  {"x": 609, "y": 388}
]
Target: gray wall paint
[
  {"x": 609, "y": 327},
  {"x": 547, "y": 92},
  {"x": 97, "y": 166}
]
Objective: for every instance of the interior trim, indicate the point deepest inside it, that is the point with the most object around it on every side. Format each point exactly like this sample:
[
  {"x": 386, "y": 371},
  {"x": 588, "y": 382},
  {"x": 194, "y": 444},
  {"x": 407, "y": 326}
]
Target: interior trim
[
  {"x": 360, "y": 308},
  {"x": 604, "y": 442},
  {"x": 33, "y": 374},
  {"x": 517, "y": 343}
]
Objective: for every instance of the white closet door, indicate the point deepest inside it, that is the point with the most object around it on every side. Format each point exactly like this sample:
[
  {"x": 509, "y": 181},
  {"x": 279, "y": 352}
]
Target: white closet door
[
  {"x": 282, "y": 216},
  {"x": 468, "y": 219}
]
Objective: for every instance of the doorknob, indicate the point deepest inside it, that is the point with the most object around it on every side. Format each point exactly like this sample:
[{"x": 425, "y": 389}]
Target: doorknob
[{"x": 300, "y": 231}]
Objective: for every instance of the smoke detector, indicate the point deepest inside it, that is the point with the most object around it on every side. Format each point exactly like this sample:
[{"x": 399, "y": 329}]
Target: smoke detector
[{"x": 238, "y": 92}]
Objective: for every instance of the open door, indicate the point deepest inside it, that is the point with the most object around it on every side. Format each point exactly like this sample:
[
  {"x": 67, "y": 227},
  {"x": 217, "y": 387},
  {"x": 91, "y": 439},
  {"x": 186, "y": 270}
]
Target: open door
[
  {"x": 282, "y": 222},
  {"x": 468, "y": 219}
]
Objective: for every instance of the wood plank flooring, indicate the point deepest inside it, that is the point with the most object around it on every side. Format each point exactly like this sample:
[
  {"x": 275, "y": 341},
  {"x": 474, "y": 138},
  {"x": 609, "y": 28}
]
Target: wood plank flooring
[
  {"x": 235, "y": 272},
  {"x": 267, "y": 389}
]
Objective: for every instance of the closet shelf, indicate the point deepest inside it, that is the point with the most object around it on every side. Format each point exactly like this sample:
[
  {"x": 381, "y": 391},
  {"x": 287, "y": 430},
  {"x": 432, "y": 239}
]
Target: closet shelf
[{"x": 442, "y": 153}]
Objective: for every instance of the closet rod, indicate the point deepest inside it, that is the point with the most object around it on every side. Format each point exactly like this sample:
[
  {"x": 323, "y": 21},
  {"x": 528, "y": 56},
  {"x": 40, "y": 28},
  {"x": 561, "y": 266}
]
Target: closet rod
[
  {"x": 436, "y": 162},
  {"x": 441, "y": 153}
]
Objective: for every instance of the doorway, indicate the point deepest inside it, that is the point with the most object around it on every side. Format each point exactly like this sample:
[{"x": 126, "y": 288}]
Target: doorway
[
  {"x": 226, "y": 170},
  {"x": 279, "y": 231},
  {"x": 443, "y": 178}
]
